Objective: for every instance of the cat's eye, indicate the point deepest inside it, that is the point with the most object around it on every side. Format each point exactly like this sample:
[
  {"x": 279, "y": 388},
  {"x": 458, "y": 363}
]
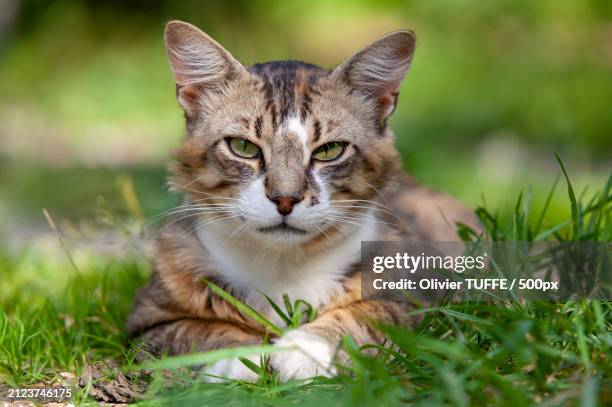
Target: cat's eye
[
  {"x": 329, "y": 151},
  {"x": 243, "y": 148}
]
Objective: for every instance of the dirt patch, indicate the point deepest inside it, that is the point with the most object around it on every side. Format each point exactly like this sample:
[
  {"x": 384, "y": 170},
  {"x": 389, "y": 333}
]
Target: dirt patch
[{"x": 106, "y": 383}]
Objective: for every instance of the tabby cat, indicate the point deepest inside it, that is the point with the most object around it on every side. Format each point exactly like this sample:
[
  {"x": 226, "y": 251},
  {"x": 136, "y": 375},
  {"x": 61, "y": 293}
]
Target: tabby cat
[{"x": 286, "y": 169}]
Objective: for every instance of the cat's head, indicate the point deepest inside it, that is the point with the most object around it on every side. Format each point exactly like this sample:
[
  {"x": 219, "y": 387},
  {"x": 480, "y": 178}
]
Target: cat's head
[{"x": 284, "y": 152}]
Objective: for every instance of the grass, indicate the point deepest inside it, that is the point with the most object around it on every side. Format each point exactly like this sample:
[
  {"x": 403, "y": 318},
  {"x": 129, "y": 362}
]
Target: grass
[{"x": 56, "y": 317}]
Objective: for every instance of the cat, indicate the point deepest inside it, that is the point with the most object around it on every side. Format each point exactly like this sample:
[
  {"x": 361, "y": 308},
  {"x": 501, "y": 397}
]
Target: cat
[{"x": 287, "y": 167}]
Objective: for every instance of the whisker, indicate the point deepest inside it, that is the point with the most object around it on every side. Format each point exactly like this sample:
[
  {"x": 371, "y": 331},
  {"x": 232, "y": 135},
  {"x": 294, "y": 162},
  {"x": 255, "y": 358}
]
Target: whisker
[
  {"x": 388, "y": 204},
  {"x": 356, "y": 217},
  {"x": 185, "y": 207},
  {"x": 366, "y": 202},
  {"x": 189, "y": 183},
  {"x": 208, "y": 194},
  {"x": 198, "y": 213},
  {"x": 381, "y": 208},
  {"x": 201, "y": 225},
  {"x": 324, "y": 233},
  {"x": 369, "y": 207},
  {"x": 333, "y": 225},
  {"x": 344, "y": 220},
  {"x": 215, "y": 197},
  {"x": 238, "y": 231}
]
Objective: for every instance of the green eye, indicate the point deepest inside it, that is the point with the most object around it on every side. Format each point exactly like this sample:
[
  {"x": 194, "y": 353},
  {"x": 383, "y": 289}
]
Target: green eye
[
  {"x": 243, "y": 148},
  {"x": 329, "y": 151}
]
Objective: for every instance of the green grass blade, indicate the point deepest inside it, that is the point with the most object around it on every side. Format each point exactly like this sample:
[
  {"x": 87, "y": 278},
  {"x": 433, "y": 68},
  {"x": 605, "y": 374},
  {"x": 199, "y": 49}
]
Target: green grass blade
[
  {"x": 287, "y": 303},
  {"x": 203, "y": 358},
  {"x": 465, "y": 317},
  {"x": 244, "y": 308},
  {"x": 589, "y": 395},
  {"x": 546, "y": 205},
  {"x": 572, "y": 198},
  {"x": 277, "y": 309},
  {"x": 252, "y": 366}
]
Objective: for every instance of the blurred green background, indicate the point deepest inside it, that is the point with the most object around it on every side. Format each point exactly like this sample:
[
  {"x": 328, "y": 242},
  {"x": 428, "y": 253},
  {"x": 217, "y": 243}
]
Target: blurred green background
[{"x": 87, "y": 103}]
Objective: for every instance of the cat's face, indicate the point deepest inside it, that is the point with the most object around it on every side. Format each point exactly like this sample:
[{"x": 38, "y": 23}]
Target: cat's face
[{"x": 284, "y": 152}]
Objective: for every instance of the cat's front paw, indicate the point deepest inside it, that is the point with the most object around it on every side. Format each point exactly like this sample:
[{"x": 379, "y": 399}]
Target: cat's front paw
[
  {"x": 312, "y": 356},
  {"x": 232, "y": 368}
]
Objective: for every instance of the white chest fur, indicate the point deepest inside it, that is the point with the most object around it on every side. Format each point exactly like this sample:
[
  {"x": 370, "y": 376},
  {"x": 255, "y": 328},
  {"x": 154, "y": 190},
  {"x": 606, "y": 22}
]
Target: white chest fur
[{"x": 314, "y": 278}]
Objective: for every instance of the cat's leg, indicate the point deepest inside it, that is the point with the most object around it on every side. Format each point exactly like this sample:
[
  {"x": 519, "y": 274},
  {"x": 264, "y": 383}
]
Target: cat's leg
[
  {"x": 317, "y": 342},
  {"x": 197, "y": 335},
  {"x": 164, "y": 326}
]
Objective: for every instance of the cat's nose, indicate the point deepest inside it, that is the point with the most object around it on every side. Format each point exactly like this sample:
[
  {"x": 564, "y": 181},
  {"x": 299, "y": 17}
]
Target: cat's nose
[{"x": 284, "y": 204}]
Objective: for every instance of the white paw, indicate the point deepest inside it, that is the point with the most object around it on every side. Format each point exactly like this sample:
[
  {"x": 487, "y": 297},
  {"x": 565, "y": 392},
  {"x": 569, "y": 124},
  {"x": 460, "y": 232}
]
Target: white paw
[
  {"x": 313, "y": 356},
  {"x": 231, "y": 369}
]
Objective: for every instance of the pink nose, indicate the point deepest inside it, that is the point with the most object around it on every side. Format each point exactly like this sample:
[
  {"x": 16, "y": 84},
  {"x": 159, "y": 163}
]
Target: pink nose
[{"x": 284, "y": 204}]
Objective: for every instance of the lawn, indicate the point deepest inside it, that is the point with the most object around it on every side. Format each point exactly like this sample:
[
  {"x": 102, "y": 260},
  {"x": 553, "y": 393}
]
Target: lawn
[
  {"x": 88, "y": 117},
  {"x": 61, "y": 315}
]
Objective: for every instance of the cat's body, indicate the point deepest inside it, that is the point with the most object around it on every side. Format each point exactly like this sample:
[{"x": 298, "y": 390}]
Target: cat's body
[{"x": 287, "y": 169}]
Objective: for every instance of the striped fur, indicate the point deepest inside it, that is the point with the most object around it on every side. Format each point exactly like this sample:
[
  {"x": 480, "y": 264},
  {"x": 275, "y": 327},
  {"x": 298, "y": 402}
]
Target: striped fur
[{"x": 234, "y": 228}]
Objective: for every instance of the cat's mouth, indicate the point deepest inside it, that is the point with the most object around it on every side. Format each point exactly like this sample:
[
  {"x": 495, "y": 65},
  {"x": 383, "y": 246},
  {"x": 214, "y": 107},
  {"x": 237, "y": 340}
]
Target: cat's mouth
[{"x": 282, "y": 227}]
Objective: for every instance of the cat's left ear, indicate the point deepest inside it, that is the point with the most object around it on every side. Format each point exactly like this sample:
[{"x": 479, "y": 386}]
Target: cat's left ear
[{"x": 378, "y": 70}]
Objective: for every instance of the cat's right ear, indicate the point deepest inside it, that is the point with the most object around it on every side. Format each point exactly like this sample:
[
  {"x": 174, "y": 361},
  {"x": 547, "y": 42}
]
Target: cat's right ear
[{"x": 199, "y": 64}]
